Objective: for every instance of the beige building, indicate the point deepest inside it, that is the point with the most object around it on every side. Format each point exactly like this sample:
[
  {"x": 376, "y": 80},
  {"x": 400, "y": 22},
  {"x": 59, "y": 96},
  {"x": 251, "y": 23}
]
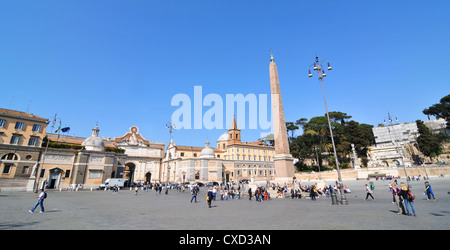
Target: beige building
[
  {"x": 144, "y": 158},
  {"x": 21, "y": 136},
  {"x": 232, "y": 160},
  {"x": 69, "y": 161}
]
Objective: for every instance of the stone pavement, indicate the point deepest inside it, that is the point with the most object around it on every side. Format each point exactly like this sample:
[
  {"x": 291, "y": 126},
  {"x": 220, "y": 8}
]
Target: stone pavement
[{"x": 103, "y": 210}]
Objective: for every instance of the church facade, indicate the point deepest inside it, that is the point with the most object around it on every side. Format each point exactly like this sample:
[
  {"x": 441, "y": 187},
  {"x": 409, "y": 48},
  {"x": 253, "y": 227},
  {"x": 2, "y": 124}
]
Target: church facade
[{"x": 232, "y": 160}]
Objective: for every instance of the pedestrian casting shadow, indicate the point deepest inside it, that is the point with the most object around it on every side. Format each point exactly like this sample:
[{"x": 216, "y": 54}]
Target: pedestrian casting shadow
[
  {"x": 12, "y": 225},
  {"x": 436, "y": 214},
  {"x": 395, "y": 212},
  {"x": 52, "y": 211}
]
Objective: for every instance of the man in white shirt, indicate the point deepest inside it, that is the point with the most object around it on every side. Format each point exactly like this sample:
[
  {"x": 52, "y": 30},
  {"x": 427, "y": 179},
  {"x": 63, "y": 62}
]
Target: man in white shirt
[{"x": 40, "y": 201}]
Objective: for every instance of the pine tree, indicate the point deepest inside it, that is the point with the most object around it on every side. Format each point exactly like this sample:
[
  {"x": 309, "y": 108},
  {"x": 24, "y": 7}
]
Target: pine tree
[{"x": 427, "y": 142}]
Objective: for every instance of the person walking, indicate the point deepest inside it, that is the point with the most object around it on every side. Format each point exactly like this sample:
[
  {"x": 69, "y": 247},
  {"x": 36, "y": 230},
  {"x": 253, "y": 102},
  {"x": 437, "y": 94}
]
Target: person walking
[
  {"x": 408, "y": 198},
  {"x": 429, "y": 191},
  {"x": 397, "y": 199},
  {"x": 312, "y": 192},
  {"x": 41, "y": 197},
  {"x": 194, "y": 194},
  {"x": 369, "y": 192},
  {"x": 250, "y": 193},
  {"x": 209, "y": 197}
]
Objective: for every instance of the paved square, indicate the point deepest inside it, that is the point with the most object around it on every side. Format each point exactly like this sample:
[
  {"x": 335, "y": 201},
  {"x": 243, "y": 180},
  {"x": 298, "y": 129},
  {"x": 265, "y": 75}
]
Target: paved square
[{"x": 104, "y": 210}]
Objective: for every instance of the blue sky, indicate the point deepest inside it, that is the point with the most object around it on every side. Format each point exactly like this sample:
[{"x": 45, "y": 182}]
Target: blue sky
[{"x": 119, "y": 63}]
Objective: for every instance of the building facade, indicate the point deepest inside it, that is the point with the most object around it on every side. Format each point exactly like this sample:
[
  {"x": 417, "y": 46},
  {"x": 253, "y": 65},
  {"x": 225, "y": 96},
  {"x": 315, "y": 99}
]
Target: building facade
[
  {"x": 232, "y": 160},
  {"x": 21, "y": 136},
  {"x": 30, "y": 158},
  {"x": 395, "y": 144}
]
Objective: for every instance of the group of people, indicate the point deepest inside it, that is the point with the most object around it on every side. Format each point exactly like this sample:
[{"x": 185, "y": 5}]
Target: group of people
[
  {"x": 314, "y": 191},
  {"x": 401, "y": 196},
  {"x": 404, "y": 199},
  {"x": 260, "y": 194}
]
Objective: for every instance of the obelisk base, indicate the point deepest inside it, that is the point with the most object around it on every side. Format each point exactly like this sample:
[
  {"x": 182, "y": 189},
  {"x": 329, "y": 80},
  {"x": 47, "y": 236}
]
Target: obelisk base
[{"x": 284, "y": 167}]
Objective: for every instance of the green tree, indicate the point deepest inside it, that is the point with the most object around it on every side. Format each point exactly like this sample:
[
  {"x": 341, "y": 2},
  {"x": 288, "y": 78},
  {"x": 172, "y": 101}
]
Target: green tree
[
  {"x": 336, "y": 116},
  {"x": 440, "y": 110},
  {"x": 427, "y": 142},
  {"x": 291, "y": 127},
  {"x": 316, "y": 133}
]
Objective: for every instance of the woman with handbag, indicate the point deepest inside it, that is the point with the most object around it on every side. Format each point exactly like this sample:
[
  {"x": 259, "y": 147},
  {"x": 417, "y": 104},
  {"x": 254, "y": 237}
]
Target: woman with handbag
[{"x": 408, "y": 198}]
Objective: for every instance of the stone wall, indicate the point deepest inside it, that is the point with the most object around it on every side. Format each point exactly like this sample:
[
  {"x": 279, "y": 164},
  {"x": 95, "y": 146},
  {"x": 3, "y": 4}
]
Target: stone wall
[{"x": 364, "y": 173}]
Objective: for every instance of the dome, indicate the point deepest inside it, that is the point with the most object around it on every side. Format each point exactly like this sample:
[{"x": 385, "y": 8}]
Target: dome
[
  {"x": 94, "y": 142},
  {"x": 223, "y": 137},
  {"x": 207, "y": 152}
]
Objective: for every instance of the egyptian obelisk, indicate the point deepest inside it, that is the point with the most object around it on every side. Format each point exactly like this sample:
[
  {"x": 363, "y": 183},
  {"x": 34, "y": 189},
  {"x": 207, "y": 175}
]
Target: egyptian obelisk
[{"x": 284, "y": 162}]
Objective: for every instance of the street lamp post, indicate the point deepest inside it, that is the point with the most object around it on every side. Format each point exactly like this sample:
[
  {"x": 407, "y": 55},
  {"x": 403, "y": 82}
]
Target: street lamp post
[
  {"x": 169, "y": 126},
  {"x": 321, "y": 74}
]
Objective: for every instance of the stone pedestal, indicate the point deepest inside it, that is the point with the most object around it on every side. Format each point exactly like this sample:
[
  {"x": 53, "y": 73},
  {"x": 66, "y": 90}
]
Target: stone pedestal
[{"x": 284, "y": 166}]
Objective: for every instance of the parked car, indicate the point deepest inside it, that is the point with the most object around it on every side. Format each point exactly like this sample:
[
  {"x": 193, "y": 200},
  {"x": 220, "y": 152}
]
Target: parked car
[
  {"x": 212, "y": 183},
  {"x": 244, "y": 181}
]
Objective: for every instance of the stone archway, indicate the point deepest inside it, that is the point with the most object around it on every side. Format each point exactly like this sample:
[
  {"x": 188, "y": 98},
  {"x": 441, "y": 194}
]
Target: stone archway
[
  {"x": 148, "y": 177},
  {"x": 54, "y": 178},
  {"x": 128, "y": 173}
]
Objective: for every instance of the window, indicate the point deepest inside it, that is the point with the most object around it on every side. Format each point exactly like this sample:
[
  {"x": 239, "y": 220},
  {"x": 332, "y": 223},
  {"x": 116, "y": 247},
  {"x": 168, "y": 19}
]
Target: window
[
  {"x": 6, "y": 169},
  {"x": 25, "y": 169},
  {"x": 15, "y": 139},
  {"x": 37, "y": 128},
  {"x": 42, "y": 173},
  {"x": 195, "y": 154},
  {"x": 95, "y": 174},
  {"x": 33, "y": 141},
  {"x": 67, "y": 175},
  {"x": 20, "y": 126},
  {"x": 2, "y": 123},
  {"x": 182, "y": 153},
  {"x": 10, "y": 157}
]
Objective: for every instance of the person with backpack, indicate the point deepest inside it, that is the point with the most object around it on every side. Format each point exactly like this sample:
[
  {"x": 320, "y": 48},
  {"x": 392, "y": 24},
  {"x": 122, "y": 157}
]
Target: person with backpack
[
  {"x": 408, "y": 198},
  {"x": 41, "y": 197},
  {"x": 369, "y": 192}
]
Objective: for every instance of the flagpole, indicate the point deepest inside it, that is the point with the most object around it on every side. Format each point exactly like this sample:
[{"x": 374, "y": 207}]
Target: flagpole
[{"x": 43, "y": 160}]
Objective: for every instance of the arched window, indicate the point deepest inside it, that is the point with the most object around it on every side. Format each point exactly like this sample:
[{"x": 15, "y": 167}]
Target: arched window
[{"x": 10, "y": 157}]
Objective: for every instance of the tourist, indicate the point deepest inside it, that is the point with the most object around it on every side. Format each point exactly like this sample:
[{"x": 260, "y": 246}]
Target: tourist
[
  {"x": 194, "y": 194},
  {"x": 429, "y": 191},
  {"x": 369, "y": 192},
  {"x": 209, "y": 197},
  {"x": 40, "y": 201},
  {"x": 312, "y": 192},
  {"x": 397, "y": 199},
  {"x": 250, "y": 194},
  {"x": 408, "y": 198}
]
